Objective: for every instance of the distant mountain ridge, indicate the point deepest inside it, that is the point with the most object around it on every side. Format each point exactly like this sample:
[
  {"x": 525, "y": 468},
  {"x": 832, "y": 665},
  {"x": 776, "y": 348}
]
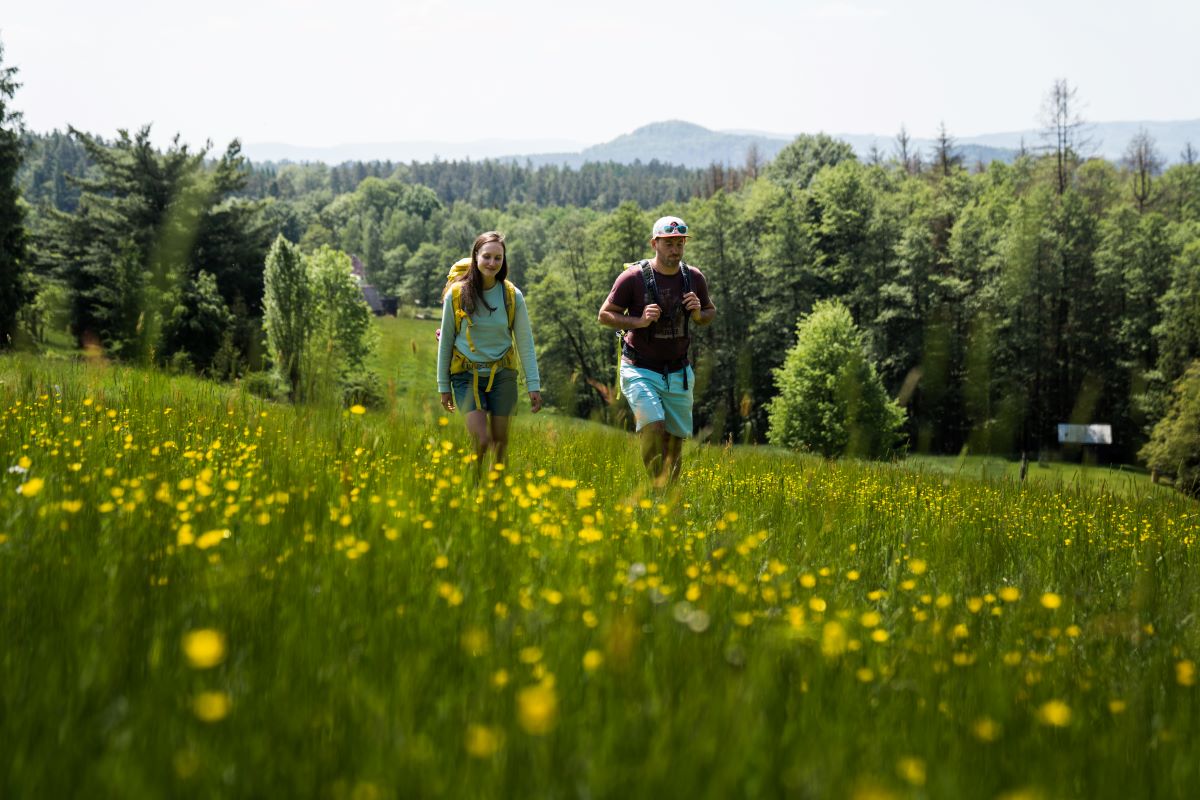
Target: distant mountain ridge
[
  {"x": 422, "y": 150},
  {"x": 690, "y": 145}
]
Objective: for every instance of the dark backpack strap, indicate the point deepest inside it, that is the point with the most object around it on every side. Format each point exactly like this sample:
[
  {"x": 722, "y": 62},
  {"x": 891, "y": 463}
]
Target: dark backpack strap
[
  {"x": 687, "y": 315},
  {"x": 650, "y": 288},
  {"x": 687, "y": 287},
  {"x": 649, "y": 283}
]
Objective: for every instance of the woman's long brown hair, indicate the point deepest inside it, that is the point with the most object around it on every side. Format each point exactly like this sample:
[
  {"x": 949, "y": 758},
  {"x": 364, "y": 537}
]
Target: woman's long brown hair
[{"x": 472, "y": 282}]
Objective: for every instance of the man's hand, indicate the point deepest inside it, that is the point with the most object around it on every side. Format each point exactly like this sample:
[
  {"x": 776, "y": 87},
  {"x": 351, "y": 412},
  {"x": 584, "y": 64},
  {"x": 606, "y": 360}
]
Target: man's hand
[
  {"x": 692, "y": 303},
  {"x": 535, "y": 400},
  {"x": 650, "y": 315}
]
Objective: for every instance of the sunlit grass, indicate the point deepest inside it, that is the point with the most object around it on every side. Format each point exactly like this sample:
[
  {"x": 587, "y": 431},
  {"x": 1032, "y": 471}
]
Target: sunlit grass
[
  {"x": 1119, "y": 479},
  {"x": 209, "y": 595}
]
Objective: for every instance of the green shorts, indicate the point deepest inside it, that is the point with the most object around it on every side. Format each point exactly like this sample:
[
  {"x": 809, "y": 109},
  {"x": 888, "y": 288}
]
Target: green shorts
[{"x": 501, "y": 401}]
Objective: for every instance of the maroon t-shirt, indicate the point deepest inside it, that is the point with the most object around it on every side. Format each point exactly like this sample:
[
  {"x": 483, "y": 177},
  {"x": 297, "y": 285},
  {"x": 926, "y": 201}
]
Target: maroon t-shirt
[{"x": 663, "y": 343}]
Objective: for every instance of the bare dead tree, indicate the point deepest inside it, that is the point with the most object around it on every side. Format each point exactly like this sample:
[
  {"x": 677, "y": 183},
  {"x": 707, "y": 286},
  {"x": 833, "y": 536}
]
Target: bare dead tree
[
  {"x": 754, "y": 160},
  {"x": 903, "y": 155},
  {"x": 947, "y": 158},
  {"x": 1188, "y": 154},
  {"x": 718, "y": 178},
  {"x": 916, "y": 162},
  {"x": 1064, "y": 130},
  {"x": 1144, "y": 164}
]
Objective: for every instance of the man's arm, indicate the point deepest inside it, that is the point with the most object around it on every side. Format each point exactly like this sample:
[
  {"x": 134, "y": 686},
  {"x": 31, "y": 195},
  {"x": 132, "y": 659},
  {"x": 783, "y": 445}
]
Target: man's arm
[
  {"x": 701, "y": 315},
  {"x": 613, "y": 316}
]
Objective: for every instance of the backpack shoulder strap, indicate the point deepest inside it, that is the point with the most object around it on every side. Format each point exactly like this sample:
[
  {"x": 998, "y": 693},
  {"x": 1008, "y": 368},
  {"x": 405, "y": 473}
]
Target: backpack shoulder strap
[
  {"x": 649, "y": 282},
  {"x": 687, "y": 277},
  {"x": 456, "y": 303},
  {"x": 510, "y": 302}
]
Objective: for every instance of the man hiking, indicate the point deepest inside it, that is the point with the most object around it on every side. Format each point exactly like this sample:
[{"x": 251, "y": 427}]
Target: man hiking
[{"x": 656, "y": 302}]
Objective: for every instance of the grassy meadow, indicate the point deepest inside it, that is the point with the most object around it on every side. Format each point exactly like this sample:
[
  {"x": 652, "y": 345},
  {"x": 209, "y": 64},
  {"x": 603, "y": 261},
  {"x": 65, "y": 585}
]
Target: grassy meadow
[{"x": 208, "y": 595}]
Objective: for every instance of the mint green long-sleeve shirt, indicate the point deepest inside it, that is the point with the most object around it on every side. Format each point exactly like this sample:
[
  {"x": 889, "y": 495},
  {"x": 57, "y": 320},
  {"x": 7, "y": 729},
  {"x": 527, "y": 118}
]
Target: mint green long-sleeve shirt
[{"x": 490, "y": 335}]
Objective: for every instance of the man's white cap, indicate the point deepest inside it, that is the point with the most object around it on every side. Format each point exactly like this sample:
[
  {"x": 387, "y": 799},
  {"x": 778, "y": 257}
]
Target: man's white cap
[{"x": 665, "y": 227}]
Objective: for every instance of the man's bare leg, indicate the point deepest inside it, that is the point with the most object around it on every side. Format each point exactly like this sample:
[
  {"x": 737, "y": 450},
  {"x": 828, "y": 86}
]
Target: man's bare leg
[
  {"x": 673, "y": 451},
  {"x": 654, "y": 451}
]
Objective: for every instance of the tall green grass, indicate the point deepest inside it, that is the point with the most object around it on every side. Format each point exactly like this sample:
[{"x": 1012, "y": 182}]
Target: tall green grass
[{"x": 379, "y": 620}]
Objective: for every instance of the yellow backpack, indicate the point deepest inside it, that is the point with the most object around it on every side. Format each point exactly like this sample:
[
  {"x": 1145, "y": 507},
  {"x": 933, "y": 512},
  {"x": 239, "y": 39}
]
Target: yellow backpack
[{"x": 458, "y": 361}]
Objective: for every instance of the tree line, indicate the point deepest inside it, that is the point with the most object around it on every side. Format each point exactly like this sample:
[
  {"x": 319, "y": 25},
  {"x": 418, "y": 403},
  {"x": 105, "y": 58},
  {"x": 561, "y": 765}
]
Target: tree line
[{"x": 994, "y": 302}]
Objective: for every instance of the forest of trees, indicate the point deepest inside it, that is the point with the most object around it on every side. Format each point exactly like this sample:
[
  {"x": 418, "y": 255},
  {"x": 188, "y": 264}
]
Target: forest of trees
[{"x": 996, "y": 302}]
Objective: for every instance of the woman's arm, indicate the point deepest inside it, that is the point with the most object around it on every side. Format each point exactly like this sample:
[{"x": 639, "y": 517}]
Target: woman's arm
[
  {"x": 523, "y": 334},
  {"x": 445, "y": 345}
]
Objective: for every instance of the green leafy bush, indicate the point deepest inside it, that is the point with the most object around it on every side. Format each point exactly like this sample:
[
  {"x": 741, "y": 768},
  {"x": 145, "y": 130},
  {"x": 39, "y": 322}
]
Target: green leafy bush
[
  {"x": 264, "y": 384},
  {"x": 831, "y": 400},
  {"x": 1174, "y": 446},
  {"x": 364, "y": 389}
]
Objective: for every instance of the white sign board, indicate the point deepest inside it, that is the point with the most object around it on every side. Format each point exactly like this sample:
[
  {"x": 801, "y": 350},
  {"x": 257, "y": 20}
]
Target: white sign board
[{"x": 1085, "y": 434}]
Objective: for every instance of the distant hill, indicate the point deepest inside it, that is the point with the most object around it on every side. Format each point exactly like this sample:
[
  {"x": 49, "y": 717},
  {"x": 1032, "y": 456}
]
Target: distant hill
[
  {"x": 690, "y": 145},
  {"x": 672, "y": 142},
  {"x": 403, "y": 151},
  {"x": 1109, "y": 139}
]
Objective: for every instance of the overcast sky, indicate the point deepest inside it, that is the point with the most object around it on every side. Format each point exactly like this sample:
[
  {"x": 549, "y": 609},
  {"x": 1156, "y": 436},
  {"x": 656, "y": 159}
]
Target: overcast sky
[{"x": 348, "y": 71}]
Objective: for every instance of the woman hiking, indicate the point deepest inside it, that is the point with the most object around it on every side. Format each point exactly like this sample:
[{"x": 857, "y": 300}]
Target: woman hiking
[{"x": 485, "y": 326}]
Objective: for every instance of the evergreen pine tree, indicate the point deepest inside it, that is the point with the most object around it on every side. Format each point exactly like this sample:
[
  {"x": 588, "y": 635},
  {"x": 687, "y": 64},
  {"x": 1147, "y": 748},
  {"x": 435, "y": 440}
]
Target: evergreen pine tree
[{"x": 14, "y": 283}]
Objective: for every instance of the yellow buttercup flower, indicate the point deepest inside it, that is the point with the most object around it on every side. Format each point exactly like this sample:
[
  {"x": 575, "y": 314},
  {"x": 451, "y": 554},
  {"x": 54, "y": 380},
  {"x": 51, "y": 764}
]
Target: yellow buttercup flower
[
  {"x": 537, "y": 709},
  {"x": 833, "y": 639},
  {"x": 911, "y": 770},
  {"x": 986, "y": 729},
  {"x": 211, "y": 706},
  {"x": 1054, "y": 713},
  {"x": 1185, "y": 673},
  {"x": 212, "y": 538},
  {"x": 204, "y": 648},
  {"x": 482, "y": 741}
]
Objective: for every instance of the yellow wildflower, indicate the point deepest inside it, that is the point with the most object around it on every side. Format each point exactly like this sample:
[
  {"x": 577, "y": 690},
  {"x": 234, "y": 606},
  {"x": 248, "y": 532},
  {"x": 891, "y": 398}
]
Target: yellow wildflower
[
  {"x": 204, "y": 648},
  {"x": 482, "y": 741},
  {"x": 537, "y": 709},
  {"x": 911, "y": 770},
  {"x": 1185, "y": 673},
  {"x": 593, "y": 660},
  {"x": 1055, "y": 713},
  {"x": 211, "y": 706}
]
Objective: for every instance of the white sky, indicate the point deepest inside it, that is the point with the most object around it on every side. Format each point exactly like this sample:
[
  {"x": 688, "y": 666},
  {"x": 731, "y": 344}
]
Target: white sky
[{"x": 345, "y": 71}]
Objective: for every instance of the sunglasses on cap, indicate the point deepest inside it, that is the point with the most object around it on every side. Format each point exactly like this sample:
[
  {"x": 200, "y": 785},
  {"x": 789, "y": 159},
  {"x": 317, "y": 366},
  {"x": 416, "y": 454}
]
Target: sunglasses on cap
[{"x": 669, "y": 228}]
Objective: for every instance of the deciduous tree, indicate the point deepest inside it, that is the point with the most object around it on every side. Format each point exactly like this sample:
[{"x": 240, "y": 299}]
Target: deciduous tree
[{"x": 831, "y": 400}]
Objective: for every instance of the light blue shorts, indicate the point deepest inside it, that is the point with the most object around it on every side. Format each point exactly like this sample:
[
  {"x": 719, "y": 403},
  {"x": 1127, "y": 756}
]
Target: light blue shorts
[{"x": 654, "y": 398}]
